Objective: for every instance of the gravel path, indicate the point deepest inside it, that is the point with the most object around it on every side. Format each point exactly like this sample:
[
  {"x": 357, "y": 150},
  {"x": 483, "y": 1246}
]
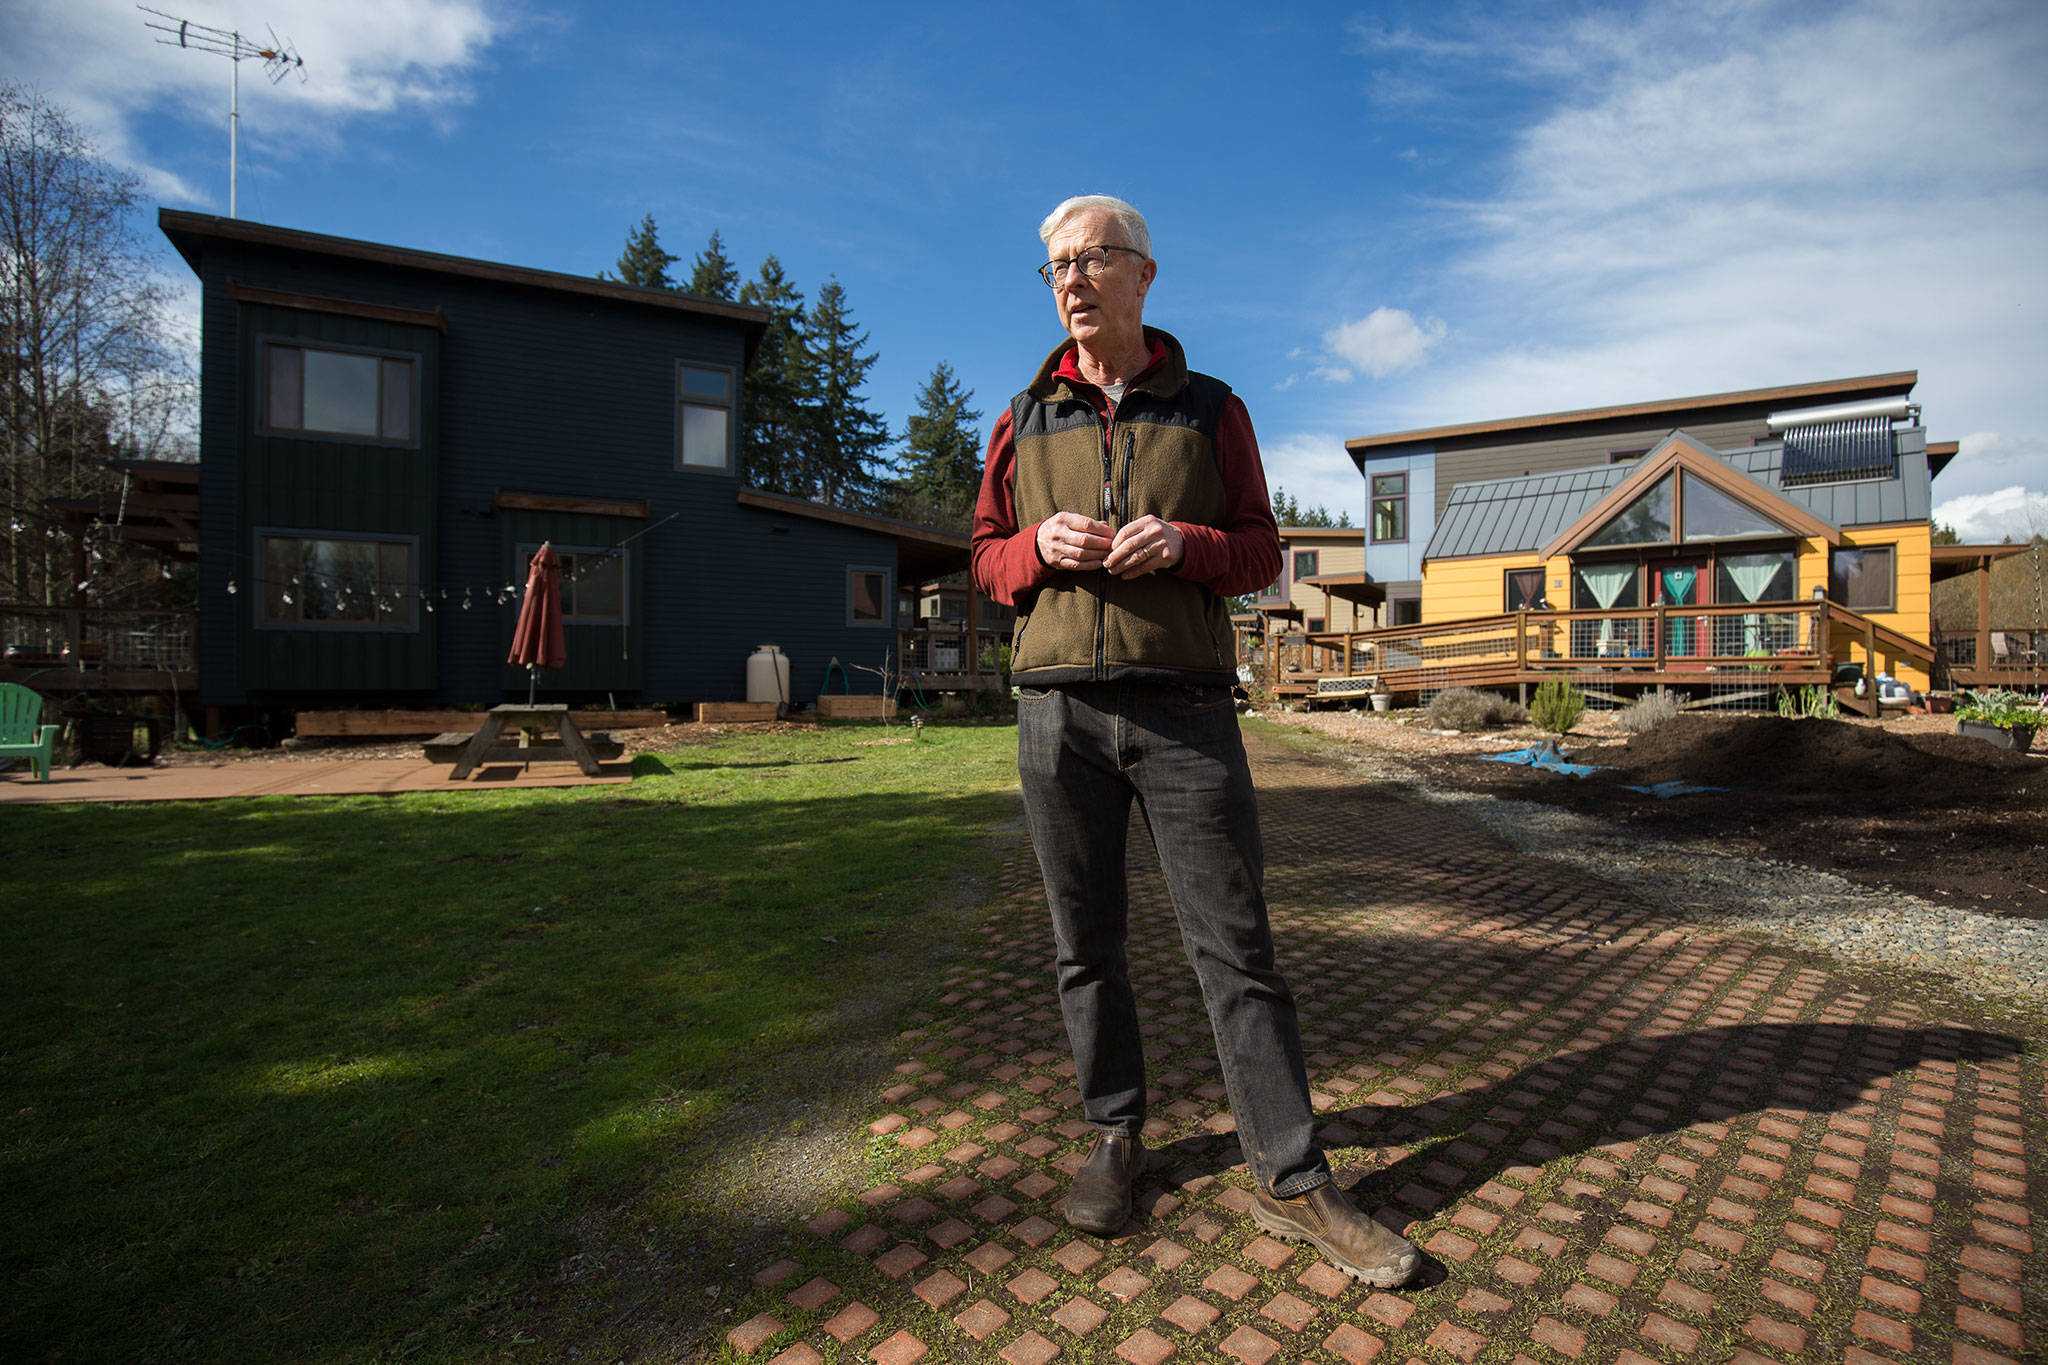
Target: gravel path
[{"x": 1985, "y": 955}]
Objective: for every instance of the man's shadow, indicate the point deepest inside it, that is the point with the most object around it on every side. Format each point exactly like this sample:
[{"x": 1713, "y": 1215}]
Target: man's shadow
[{"x": 1628, "y": 1090}]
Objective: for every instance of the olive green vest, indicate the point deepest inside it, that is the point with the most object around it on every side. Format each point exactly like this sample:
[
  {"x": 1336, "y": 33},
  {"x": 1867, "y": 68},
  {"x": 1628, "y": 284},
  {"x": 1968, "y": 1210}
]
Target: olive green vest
[{"x": 1160, "y": 459}]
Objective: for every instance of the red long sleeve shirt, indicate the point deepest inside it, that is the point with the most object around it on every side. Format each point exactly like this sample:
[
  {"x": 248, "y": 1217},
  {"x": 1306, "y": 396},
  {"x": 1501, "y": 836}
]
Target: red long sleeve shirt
[{"x": 1239, "y": 555}]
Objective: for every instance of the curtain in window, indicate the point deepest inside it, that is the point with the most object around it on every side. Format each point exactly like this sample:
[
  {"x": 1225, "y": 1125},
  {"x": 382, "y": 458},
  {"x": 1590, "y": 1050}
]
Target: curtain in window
[
  {"x": 1678, "y": 585},
  {"x": 1752, "y": 575},
  {"x": 1605, "y": 582}
]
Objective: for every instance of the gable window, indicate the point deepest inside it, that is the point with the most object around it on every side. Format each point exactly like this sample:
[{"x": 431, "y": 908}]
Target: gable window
[
  {"x": 703, "y": 419},
  {"x": 867, "y": 596},
  {"x": 1711, "y": 514},
  {"x": 1525, "y": 590},
  {"x": 1864, "y": 580},
  {"x": 1645, "y": 521},
  {"x": 1304, "y": 564},
  {"x": 1389, "y": 507},
  {"x": 339, "y": 393},
  {"x": 1277, "y": 591},
  {"x": 335, "y": 582}
]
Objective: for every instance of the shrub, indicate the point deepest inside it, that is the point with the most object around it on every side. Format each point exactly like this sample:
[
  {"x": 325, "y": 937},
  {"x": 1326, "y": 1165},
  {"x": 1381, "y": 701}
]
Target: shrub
[
  {"x": 1467, "y": 708},
  {"x": 1557, "y": 705},
  {"x": 1649, "y": 711}
]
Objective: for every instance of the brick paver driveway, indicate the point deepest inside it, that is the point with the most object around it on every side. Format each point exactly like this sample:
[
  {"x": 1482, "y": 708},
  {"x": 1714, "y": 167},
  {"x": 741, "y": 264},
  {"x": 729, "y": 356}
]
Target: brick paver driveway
[{"x": 1618, "y": 1138}]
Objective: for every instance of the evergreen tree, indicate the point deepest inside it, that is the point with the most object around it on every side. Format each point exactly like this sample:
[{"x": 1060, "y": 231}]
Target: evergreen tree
[
  {"x": 711, "y": 274},
  {"x": 941, "y": 465},
  {"x": 1288, "y": 512},
  {"x": 842, "y": 438},
  {"x": 776, "y": 391},
  {"x": 1946, "y": 535},
  {"x": 643, "y": 262}
]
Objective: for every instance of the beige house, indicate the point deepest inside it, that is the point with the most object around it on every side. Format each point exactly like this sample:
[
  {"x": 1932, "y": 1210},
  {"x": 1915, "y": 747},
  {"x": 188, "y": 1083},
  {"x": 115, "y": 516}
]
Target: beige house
[{"x": 1298, "y": 600}]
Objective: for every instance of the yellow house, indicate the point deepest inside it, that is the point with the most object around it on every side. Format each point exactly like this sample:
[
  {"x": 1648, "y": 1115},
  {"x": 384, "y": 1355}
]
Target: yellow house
[{"x": 1803, "y": 554}]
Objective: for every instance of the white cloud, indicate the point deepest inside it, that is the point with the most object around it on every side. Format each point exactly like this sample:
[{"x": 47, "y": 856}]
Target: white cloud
[
  {"x": 1748, "y": 193},
  {"x": 97, "y": 61},
  {"x": 1380, "y": 343},
  {"x": 1988, "y": 518},
  {"x": 1300, "y": 462}
]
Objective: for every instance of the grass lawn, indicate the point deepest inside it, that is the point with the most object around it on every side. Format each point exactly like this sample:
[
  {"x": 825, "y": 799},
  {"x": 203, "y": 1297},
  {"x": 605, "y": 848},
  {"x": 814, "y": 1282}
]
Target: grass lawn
[{"x": 398, "y": 1077}]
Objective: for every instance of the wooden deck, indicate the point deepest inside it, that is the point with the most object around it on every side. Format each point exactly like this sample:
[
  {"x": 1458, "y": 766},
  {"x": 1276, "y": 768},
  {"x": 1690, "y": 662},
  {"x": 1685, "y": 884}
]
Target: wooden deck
[{"x": 1616, "y": 655}]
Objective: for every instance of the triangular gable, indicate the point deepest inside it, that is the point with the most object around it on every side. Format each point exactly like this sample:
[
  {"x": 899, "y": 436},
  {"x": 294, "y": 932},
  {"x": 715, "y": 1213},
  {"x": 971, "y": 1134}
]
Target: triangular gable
[{"x": 1680, "y": 451}]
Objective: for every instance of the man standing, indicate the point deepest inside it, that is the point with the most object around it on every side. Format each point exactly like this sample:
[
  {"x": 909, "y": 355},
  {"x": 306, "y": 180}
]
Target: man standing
[{"x": 1123, "y": 500}]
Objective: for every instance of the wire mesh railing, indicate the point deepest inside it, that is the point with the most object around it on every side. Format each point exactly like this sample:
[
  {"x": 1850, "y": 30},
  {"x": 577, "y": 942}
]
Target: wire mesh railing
[{"x": 97, "y": 637}]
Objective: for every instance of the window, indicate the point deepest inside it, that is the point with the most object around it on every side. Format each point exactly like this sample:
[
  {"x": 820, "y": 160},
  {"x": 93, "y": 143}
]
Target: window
[
  {"x": 338, "y": 393},
  {"x": 1315, "y": 625},
  {"x": 1602, "y": 587},
  {"x": 1525, "y": 590},
  {"x": 1645, "y": 521},
  {"x": 1389, "y": 507},
  {"x": 1711, "y": 514},
  {"x": 1405, "y": 611},
  {"x": 1624, "y": 456},
  {"x": 1304, "y": 564},
  {"x": 703, "y": 419},
  {"x": 1277, "y": 592},
  {"x": 1863, "y": 580},
  {"x": 1763, "y": 577},
  {"x": 593, "y": 586},
  {"x": 335, "y": 582},
  {"x": 867, "y": 597}
]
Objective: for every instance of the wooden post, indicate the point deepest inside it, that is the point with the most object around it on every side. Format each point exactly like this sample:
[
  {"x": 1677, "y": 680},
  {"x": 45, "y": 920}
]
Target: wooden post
[
  {"x": 1521, "y": 642},
  {"x": 1983, "y": 611},
  {"x": 1660, "y": 638},
  {"x": 1870, "y": 669}
]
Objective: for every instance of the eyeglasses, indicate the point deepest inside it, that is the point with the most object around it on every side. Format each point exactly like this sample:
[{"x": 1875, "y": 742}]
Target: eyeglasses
[{"x": 1091, "y": 261}]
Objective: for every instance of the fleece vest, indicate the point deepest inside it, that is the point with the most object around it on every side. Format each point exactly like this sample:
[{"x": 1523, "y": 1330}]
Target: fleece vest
[{"x": 1159, "y": 458}]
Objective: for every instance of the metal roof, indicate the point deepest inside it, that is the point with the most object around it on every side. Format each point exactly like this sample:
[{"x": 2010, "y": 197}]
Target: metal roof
[
  {"x": 1507, "y": 516},
  {"x": 1521, "y": 515}
]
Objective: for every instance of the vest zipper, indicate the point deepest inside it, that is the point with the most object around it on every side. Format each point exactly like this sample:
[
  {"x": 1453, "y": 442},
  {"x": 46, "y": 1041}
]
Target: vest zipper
[{"x": 1102, "y": 591}]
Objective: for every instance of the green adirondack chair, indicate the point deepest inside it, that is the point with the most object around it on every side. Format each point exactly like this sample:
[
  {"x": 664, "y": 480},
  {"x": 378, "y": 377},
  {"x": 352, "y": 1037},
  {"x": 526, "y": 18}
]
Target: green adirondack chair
[{"x": 20, "y": 735}]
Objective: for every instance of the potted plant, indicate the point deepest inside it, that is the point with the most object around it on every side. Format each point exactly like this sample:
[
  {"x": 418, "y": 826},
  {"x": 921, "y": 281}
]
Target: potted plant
[
  {"x": 1381, "y": 698},
  {"x": 2007, "y": 719}
]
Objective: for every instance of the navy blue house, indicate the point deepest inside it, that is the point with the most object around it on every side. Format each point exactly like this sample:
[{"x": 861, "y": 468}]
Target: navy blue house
[{"x": 386, "y": 435}]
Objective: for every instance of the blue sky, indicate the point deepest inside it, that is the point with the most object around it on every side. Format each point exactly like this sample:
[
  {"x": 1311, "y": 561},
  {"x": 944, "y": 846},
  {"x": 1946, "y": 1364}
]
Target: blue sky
[{"x": 1367, "y": 218}]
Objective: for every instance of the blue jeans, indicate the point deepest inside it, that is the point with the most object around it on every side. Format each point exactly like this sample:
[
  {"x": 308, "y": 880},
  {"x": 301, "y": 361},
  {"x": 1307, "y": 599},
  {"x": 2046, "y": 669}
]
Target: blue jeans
[{"x": 1084, "y": 750}]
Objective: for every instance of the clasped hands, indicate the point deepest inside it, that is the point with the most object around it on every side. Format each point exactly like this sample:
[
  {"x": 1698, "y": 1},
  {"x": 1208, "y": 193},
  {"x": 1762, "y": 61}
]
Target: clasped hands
[{"x": 1068, "y": 540}]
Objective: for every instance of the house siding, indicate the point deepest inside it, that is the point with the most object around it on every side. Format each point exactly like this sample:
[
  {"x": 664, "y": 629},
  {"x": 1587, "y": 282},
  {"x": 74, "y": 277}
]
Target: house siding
[
  {"x": 1457, "y": 588},
  {"x": 537, "y": 391}
]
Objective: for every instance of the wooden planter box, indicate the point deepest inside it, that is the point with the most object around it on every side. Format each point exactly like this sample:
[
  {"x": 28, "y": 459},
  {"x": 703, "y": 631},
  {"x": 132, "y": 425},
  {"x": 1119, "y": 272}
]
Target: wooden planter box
[
  {"x": 2018, "y": 739},
  {"x": 735, "y": 711},
  {"x": 856, "y": 708}
]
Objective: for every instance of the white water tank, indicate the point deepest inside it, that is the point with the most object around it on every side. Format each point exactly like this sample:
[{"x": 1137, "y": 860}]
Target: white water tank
[{"x": 768, "y": 675}]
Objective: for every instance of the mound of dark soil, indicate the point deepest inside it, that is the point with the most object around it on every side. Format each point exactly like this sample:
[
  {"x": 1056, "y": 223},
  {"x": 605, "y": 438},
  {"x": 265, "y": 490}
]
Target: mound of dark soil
[
  {"x": 1950, "y": 819},
  {"x": 1820, "y": 757}
]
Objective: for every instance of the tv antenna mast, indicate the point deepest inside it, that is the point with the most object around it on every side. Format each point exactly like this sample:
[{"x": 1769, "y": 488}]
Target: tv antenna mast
[{"x": 280, "y": 59}]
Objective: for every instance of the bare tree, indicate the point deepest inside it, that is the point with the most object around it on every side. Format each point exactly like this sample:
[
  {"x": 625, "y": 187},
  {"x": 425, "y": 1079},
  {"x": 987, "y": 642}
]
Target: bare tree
[{"x": 88, "y": 368}]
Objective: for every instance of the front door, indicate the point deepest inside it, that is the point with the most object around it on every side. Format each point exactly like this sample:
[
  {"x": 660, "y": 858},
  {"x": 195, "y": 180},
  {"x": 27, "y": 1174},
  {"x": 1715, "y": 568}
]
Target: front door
[{"x": 1683, "y": 583}]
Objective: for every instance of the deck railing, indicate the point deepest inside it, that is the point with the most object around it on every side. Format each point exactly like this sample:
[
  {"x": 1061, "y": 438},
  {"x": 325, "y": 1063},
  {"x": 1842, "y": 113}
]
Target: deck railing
[
  {"x": 949, "y": 651},
  {"x": 1648, "y": 638},
  {"x": 96, "y": 638}
]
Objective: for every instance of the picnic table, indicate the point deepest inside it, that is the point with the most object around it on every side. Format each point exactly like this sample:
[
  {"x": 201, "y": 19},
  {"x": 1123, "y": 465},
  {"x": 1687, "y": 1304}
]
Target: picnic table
[{"x": 493, "y": 744}]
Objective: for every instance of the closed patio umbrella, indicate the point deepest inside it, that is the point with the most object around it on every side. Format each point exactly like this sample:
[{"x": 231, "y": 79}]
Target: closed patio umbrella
[{"x": 537, "y": 640}]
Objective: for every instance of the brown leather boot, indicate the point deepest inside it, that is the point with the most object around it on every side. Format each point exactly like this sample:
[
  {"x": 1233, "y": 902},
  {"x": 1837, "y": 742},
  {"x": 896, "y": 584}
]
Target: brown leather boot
[
  {"x": 1100, "y": 1199},
  {"x": 1326, "y": 1219}
]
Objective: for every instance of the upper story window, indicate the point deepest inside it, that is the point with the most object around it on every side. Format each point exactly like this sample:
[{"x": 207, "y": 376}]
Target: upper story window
[
  {"x": 1389, "y": 507},
  {"x": 356, "y": 394},
  {"x": 704, "y": 419},
  {"x": 1304, "y": 564}
]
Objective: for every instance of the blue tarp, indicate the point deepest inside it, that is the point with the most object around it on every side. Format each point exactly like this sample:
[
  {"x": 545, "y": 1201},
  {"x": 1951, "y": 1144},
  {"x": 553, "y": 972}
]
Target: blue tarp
[{"x": 1546, "y": 757}]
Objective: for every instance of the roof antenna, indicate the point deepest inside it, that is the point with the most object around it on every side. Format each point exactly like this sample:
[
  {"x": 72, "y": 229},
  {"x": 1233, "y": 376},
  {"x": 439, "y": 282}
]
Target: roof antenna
[{"x": 280, "y": 59}]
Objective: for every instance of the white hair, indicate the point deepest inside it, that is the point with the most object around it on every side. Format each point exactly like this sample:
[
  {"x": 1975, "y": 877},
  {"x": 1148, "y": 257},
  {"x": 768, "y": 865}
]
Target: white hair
[{"x": 1132, "y": 222}]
